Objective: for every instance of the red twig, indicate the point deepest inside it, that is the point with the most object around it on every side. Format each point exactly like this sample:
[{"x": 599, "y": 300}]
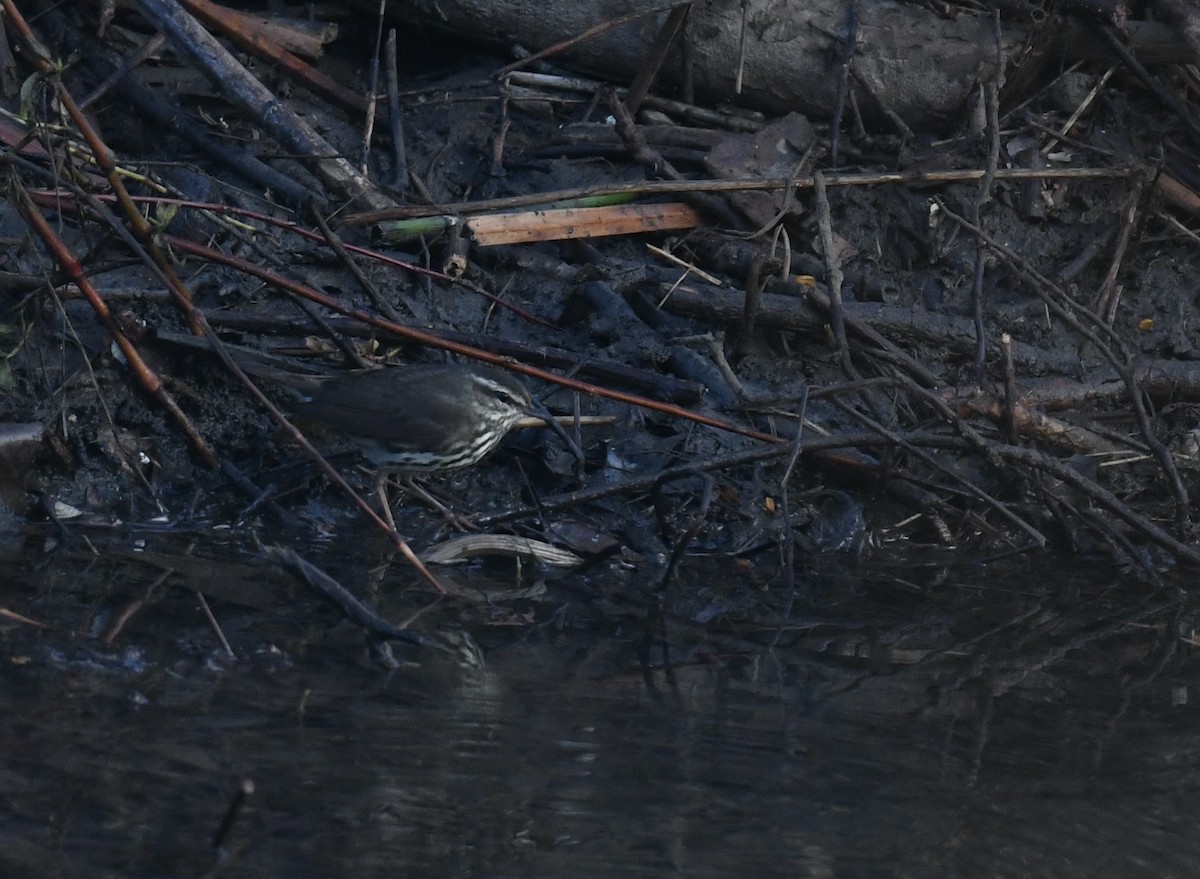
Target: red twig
[
  {"x": 145, "y": 375},
  {"x": 434, "y": 341}
]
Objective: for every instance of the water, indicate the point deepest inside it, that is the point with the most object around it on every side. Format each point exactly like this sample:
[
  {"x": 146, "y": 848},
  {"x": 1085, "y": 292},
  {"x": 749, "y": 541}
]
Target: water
[{"x": 1025, "y": 720}]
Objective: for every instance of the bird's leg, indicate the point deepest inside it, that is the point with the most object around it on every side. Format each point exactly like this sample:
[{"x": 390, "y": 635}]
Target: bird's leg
[
  {"x": 409, "y": 485},
  {"x": 385, "y": 503},
  {"x": 462, "y": 523}
]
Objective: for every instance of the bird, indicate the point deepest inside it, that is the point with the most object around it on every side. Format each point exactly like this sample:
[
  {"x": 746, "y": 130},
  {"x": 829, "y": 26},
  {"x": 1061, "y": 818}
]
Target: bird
[{"x": 413, "y": 419}]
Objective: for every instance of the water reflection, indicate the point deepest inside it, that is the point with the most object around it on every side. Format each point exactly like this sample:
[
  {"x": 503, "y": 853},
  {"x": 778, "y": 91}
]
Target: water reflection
[{"x": 980, "y": 726}]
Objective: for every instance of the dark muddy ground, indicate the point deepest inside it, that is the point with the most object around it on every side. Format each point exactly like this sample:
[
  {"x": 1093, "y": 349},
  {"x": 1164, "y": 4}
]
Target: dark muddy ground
[
  {"x": 832, "y": 611},
  {"x": 1085, "y": 448}
]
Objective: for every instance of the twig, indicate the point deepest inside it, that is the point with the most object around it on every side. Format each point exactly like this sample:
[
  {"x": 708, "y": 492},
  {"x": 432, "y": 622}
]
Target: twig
[
  {"x": 213, "y": 624},
  {"x": 338, "y": 595},
  {"x": 335, "y": 243},
  {"x": 991, "y": 100},
  {"x": 372, "y": 91},
  {"x": 818, "y": 445},
  {"x": 399, "y": 178},
  {"x": 144, "y": 51},
  {"x": 749, "y": 184},
  {"x": 604, "y": 26},
  {"x": 1108, "y": 297},
  {"x": 1008, "y": 421},
  {"x": 1170, "y": 101},
  {"x": 833, "y": 264},
  {"x": 655, "y": 56},
  {"x": 845, "y": 53}
]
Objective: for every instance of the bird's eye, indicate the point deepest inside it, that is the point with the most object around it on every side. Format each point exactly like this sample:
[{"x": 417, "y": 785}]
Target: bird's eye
[
  {"x": 503, "y": 393},
  {"x": 513, "y": 397}
]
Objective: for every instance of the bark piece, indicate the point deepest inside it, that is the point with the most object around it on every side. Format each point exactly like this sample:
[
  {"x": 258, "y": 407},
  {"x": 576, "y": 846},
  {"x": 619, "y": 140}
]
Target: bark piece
[{"x": 776, "y": 150}]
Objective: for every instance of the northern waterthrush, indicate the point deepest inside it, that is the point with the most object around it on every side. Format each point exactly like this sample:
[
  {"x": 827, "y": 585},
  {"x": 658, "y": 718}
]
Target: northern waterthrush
[{"x": 407, "y": 420}]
